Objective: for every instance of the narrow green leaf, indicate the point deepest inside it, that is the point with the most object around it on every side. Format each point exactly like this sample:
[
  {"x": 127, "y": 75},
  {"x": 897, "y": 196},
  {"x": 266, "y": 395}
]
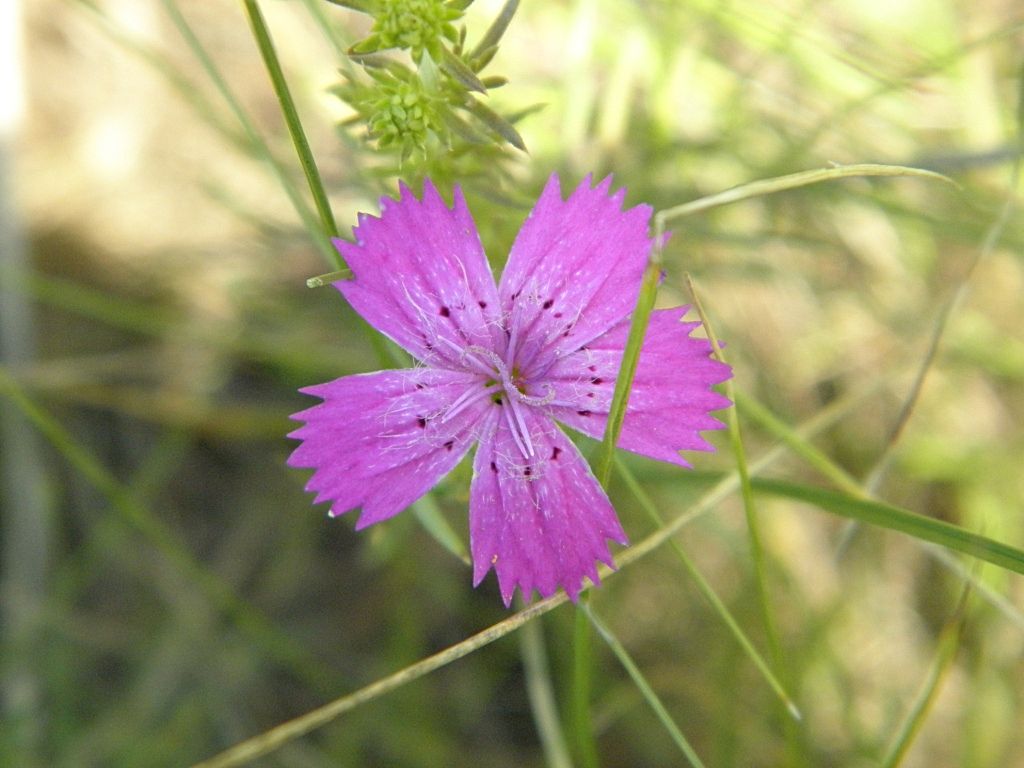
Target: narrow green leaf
[
  {"x": 330, "y": 278},
  {"x": 756, "y": 412},
  {"x": 898, "y": 519},
  {"x": 495, "y": 122},
  {"x": 462, "y": 74},
  {"x": 363, "y": 6},
  {"x": 480, "y": 60},
  {"x": 430, "y": 517},
  {"x": 373, "y": 59},
  {"x": 497, "y": 29}
]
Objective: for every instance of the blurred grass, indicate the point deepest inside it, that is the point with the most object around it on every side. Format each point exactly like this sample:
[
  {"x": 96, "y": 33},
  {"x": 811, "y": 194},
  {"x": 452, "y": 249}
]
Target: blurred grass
[{"x": 174, "y": 328}]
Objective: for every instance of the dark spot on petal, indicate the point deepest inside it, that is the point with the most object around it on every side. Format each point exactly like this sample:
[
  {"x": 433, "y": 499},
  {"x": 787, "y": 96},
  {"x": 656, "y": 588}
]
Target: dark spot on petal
[
  {"x": 483, "y": 304},
  {"x": 445, "y": 312},
  {"x": 497, "y": 400},
  {"x": 515, "y": 295},
  {"x": 592, "y": 368},
  {"x": 590, "y": 394},
  {"x": 449, "y": 445},
  {"x": 583, "y": 413},
  {"x": 429, "y": 346},
  {"x": 420, "y": 386},
  {"x": 597, "y": 380},
  {"x": 554, "y": 453},
  {"x": 557, "y": 314},
  {"x": 422, "y": 422},
  {"x": 494, "y": 467},
  {"x": 547, "y": 304},
  {"x": 527, "y": 472}
]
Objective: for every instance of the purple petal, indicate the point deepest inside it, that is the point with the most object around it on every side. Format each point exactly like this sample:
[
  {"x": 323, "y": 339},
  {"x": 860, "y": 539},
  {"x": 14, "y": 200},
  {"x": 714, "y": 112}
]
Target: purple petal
[
  {"x": 541, "y": 522},
  {"x": 421, "y": 276},
  {"x": 574, "y": 271},
  {"x": 381, "y": 440},
  {"x": 671, "y": 398}
]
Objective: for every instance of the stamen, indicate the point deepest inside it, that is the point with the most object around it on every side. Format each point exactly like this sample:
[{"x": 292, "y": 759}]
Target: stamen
[
  {"x": 515, "y": 424},
  {"x": 465, "y": 357},
  {"x": 506, "y": 379},
  {"x": 468, "y": 398}
]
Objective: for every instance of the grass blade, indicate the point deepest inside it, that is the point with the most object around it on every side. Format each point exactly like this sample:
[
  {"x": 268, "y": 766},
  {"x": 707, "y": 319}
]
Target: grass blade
[
  {"x": 627, "y": 368},
  {"x": 897, "y": 519},
  {"x": 709, "y": 593},
  {"x": 275, "y": 738},
  {"x": 793, "y": 181},
  {"x": 291, "y": 118},
  {"x": 277, "y": 644},
  {"x": 949, "y": 642},
  {"x": 645, "y": 688},
  {"x": 256, "y": 143},
  {"x": 757, "y": 555}
]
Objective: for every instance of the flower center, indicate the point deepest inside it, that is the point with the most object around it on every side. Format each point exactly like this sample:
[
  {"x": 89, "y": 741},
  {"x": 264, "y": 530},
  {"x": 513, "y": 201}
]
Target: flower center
[
  {"x": 510, "y": 382},
  {"x": 507, "y": 389}
]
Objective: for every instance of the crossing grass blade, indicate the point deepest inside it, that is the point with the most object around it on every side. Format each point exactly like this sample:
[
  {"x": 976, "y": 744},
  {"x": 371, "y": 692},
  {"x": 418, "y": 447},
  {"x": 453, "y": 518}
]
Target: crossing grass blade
[{"x": 644, "y": 687}]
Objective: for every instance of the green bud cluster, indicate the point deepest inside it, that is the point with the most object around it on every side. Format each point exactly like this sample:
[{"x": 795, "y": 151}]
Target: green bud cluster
[
  {"x": 416, "y": 25},
  {"x": 431, "y": 109},
  {"x": 404, "y": 115}
]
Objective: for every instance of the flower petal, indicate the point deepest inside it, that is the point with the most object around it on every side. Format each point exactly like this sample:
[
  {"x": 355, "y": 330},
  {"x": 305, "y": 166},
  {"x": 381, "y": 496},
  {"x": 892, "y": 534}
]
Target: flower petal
[
  {"x": 541, "y": 522},
  {"x": 381, "y": 440},
  {"x": 574, "y": 271},
  {"x": 671, "y": 398},
  {"x": 421, "y": 277}
]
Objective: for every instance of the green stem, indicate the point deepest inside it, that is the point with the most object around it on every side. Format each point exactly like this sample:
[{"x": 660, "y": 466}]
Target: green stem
[
  {"x": 630, "y": 360},
  {"x": 291, "y": 117},
  {"x": 542, "y": 696},
  {"x": 606, "y": 455},
  {"x": 583, "y": 729},
  {"x": 757, "y": 554}
]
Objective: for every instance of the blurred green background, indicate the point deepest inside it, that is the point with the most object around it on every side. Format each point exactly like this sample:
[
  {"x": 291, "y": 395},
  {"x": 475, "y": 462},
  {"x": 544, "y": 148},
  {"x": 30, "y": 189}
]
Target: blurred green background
[{"x": 168, "y": 588}]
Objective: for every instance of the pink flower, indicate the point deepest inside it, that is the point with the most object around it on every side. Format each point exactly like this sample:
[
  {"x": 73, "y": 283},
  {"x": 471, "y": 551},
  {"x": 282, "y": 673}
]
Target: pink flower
[{"x": 498, "y": 365}]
